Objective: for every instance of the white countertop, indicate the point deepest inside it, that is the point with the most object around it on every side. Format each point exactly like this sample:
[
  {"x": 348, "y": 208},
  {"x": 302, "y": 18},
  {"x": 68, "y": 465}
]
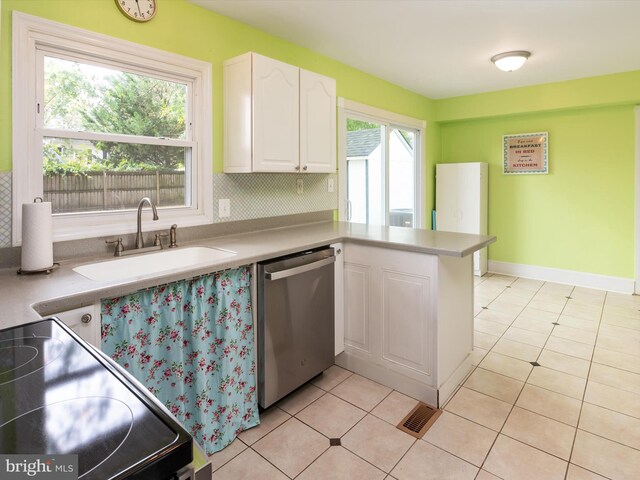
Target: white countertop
[{"x": 24, "y": 298}]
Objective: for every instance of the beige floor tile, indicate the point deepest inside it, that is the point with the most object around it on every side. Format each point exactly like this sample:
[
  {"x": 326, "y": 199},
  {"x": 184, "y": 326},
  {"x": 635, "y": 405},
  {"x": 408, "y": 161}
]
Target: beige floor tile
[
  {"x": 564, "y": 363},
  {"x": 377, "y": 442},
  {"x": 627, "y": 345},
  {"x": 559, "y": 382},
  {"x": 292, "y": 447},
  {"x": 482, "y": 300},
  {"x": 575, "y": 334},
  {"x": 484, "y": 475},
  {"x": 522, "y": 351},
  {"x": 542, "y": 303},
  {"x": 361, "y": 392},
  {"x": 613, "y": 399},
  {"x": 299, "y": 399},
  {"x": 528, "y": 284},
  {"x": 248, "y": 465},
  {"x": 477, "y": 310},
  {"x": 609, "y": 424},
  {"x": 541, "y": 432},
  {"x": 614, "y": 377},
  {"x": 495, "y": 385},
  {"x": 394, "y": 408},
  {"x": 225, "y": 455},
  {"x": 624, "y": 311},
  {"x": 331, "y": 416},
  {"x": 478, "y": 355},
  {"x": 331, "y": 377},
  {"x": 504, "y": 307},
  {"x": 509, "y": 366},
  {"x": 533, "y": 325},
  {"x": 510, "y": 296},
  {"x": 337, "y": 463},
  {"x": 619, "y": 332},
  {"x": 574, "y": 308},
  {"x": 623, "y": 300},
  {"x": 426, "y": 462},
  {"x": 512, "y": 459},
  {"x": 578, "y": 473},
  {"x": 620, "y": 321},
  {"x": 589, "y": 293},
  {"x": 569, "y": 347},
  {"x": 463, "y": 438},
  {"x": 623, "y": 361},
  {"x": 550, "y": 404},
  {"x": 486, "y": 326},
  {"x": 579, "y": 323},
  {"x": 605, "y": 457},
  {"x": 559, "y": 288},
  {"x": 542, "y": 316},
  {"x": 269, "y": 419},
  {"x": 484, "y": 340},
  {"x": 525, "y": 336},
  {"x": 479, "y": 408}
]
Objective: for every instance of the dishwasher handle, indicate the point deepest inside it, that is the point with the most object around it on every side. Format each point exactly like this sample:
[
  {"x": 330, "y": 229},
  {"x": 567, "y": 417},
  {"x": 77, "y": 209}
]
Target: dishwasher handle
[{"x": 290, "y": 272}]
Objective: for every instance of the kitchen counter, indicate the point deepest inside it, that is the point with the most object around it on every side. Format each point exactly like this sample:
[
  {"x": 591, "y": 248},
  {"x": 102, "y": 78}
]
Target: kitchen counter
[{"x": 25, "y": 298}]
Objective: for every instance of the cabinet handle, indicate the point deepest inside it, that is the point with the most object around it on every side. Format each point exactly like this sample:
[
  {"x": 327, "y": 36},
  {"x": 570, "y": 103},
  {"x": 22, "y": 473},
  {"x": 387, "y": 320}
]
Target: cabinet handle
[
  {"x": 304, "y": 168},
  {"x": 297, "y": 167},
  {"x": 86, "y": 318}
]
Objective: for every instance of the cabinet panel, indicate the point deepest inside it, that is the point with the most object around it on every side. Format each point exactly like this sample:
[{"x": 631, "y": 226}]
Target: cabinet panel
[
  {"x": 84, "y": 321},
  {"x": 275, "y": 110},
  {"x": 406, "y": 319},
  {"x": 356, "y": 311},
  {"x": 317, "y": 123}
]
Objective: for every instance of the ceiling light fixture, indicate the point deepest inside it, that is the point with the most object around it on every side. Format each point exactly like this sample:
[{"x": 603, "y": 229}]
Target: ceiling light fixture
[{"x": 510, "y": 61}]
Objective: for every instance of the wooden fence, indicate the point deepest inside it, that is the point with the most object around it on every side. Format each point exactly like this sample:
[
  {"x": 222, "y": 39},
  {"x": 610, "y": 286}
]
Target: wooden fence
[{"x": 112, "y": 190}]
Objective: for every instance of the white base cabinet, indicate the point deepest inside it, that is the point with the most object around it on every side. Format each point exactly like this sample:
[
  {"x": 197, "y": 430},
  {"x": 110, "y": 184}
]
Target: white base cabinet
[
  {"x": 408, "y": 319},
  {"x": 462, "y": 202},
  {"x": 85, "y": 322}
]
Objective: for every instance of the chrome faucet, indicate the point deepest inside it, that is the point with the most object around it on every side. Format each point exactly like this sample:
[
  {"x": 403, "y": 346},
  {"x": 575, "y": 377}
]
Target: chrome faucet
[{"x": 139, "y": 241}]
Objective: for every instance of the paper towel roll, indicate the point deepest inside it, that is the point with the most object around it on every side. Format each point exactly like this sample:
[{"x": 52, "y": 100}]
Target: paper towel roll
[{"x": 37, "y": 244}]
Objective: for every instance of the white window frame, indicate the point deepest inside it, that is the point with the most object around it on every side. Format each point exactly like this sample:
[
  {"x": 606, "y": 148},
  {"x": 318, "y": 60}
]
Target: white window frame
[
  {"x": 31, "y": 35},
  {"x": 391, "y": 120}
]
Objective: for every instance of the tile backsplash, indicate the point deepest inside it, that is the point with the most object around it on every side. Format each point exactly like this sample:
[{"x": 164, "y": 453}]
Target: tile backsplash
[
  {"x": 261, "y": 195},
  {"x": 252, "y": 196},
  {"x": 5, "y": 209}
]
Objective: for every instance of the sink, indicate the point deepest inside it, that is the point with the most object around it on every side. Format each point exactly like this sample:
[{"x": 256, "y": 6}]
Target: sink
[{"x": 152, "y": 264}]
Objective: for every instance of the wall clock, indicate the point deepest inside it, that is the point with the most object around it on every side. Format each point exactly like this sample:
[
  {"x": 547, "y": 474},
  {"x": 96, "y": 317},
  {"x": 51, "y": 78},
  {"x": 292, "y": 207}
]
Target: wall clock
[{"x": 138, "y": 10}]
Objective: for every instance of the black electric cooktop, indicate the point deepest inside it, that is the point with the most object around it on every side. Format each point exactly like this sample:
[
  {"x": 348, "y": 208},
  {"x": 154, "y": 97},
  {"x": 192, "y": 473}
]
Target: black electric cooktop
[{"x": 59, "y": 396}]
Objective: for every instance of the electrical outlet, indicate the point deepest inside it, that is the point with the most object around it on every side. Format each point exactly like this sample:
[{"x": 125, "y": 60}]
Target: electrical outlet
[
  {"x": 224, "y": 208},
  {"x": 330, "y": 185},
  {"x": 299, "y": 186}
]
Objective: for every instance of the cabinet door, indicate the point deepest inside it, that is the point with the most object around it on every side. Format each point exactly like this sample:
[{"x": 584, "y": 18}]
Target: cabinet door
[
  {"x": 357, "y": 279},
  {"x": 317, "y": 123},
  {"x": 275, "y": 116},
  {"x": 84, "y": 321}
]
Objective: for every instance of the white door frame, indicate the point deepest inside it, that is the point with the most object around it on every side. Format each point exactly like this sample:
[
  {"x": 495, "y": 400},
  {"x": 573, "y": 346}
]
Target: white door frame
[
  {"x": 348, "y": 108},
  {"x": 637, "y": 202}
]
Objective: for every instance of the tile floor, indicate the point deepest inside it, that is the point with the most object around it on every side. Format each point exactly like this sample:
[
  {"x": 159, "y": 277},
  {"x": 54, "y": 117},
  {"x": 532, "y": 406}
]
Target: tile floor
[{"x": 574, "y": 415}]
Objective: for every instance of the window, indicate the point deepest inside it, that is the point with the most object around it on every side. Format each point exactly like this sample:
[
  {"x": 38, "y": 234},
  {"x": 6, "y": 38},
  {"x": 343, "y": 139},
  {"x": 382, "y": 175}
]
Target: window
[
  {"x": 381, "y": 156},
  {"x": 101, "y": 124}
]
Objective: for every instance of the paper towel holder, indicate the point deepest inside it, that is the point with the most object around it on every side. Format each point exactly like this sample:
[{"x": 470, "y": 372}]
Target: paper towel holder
[{"x": 47, "y": 270}]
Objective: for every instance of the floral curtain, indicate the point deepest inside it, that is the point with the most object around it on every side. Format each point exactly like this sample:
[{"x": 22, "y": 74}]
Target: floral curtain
[{"x": 191, "y": 343}]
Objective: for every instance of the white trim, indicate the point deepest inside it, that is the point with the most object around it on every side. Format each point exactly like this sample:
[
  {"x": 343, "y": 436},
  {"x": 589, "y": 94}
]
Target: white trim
[
  {"x": 31, "y": 34},
  {"x": 637, "y": 202},
  {"x": 569, "y": 277},
  {"x": 349, "y": 108}
]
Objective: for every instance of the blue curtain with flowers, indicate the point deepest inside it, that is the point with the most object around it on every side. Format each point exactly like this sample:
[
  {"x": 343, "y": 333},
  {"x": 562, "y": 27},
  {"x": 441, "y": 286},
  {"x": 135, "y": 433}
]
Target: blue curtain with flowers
[{"x": 191, "y": 343}]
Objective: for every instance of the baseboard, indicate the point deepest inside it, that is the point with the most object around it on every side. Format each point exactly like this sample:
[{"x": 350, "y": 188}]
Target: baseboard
[
  {"x": 450, "y": 386},
  {"x": 570, "y": 277}
]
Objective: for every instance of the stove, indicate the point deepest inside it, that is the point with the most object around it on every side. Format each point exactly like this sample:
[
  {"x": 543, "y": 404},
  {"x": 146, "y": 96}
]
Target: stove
[{"x": 60, "y": 396}]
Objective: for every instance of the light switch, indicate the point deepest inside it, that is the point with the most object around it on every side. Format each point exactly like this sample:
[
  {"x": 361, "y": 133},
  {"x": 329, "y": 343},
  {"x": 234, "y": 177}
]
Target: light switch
[
  {"x": 330, "y": 185},
  {"x": 299, "y": 186},
  {"x": 224, "y": 208}
]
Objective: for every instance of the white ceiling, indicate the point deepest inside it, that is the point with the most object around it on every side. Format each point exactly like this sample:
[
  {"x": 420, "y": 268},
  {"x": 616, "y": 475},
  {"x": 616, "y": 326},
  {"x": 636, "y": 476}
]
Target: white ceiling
[{"x": 441, "y": 48}]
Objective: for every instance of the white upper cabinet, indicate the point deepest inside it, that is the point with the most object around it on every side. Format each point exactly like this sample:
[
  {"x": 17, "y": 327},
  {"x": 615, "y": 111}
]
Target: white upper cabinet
[
  {"x": 317, "y": 123},
  {"x": 277, "y": 117}
]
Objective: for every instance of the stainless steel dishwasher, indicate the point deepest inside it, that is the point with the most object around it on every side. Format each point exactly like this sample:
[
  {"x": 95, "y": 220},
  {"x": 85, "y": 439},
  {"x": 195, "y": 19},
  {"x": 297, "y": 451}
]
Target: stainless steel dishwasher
[{"x": 295, "y": 321}]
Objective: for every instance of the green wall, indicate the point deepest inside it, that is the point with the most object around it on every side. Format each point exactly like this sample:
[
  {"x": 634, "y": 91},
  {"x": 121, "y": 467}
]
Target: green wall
[
  {"x": 578, "y": 217},
  {"x": 190, "y": 30}
]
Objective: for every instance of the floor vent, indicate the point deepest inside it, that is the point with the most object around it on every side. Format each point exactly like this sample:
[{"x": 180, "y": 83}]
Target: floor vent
[{"x": 419, "y": 420}]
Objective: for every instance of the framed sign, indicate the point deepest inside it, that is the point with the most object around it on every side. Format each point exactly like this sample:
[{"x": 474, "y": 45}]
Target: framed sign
[{"x": 527, "y": 153}]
